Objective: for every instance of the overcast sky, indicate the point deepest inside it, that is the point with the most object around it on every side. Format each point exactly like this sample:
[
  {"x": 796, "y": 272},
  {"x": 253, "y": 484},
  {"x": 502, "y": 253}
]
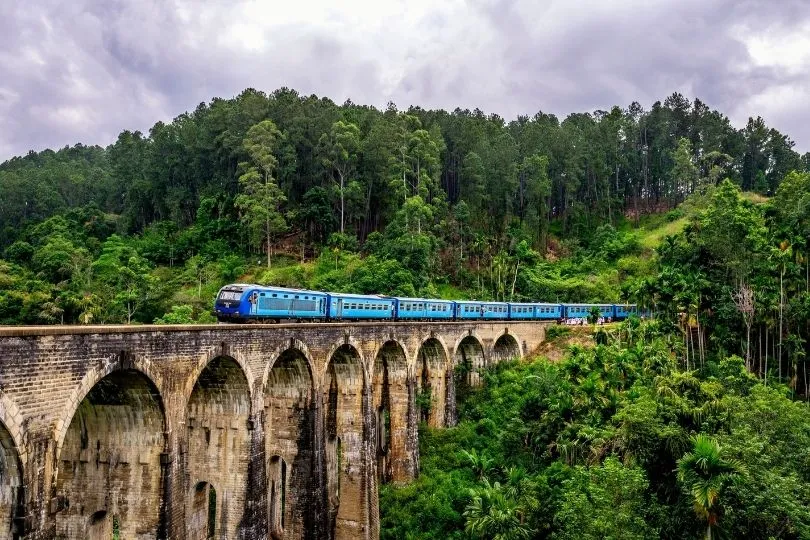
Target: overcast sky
[{"x": 84, "y": 70}]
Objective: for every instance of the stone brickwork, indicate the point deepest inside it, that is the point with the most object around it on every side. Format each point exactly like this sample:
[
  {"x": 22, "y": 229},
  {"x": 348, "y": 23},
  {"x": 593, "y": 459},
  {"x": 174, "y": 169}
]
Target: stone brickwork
[{"x": 231, "y": 431}]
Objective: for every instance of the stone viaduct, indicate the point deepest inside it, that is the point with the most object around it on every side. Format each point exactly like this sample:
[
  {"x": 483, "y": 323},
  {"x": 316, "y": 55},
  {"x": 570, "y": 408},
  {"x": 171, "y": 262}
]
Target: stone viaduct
[{"x": 225, "y": 431}]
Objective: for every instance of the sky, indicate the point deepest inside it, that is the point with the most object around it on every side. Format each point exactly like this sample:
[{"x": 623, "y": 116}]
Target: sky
[{"x": 84, "y": 70}]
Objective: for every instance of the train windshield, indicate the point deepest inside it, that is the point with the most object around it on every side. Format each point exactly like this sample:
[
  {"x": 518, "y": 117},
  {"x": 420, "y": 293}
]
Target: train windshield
[{"x": 231, "y": 294}]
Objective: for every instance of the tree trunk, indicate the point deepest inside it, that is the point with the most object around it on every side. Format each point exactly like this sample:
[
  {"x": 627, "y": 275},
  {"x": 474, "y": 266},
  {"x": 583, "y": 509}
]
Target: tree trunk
[
  {"x": 340, "y": 174},
  {"x": 781, "y": 305},
  {"x": 748, "y": 347},
  {"x": 267, "y": 233},
  {"x": 514, "y": 281},
  {"x": 766, "y": 355}
]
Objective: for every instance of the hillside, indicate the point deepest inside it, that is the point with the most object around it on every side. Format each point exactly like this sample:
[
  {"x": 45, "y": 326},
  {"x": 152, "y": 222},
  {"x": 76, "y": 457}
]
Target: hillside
[{"x": 347, "y": 197}]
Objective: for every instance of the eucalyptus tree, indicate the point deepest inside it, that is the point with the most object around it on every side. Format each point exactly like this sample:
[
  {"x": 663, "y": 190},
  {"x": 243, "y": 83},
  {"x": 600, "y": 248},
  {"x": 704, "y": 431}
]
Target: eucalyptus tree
[
  {"x": 260, "y": 198},
  {"x": 339, "y": 151}
]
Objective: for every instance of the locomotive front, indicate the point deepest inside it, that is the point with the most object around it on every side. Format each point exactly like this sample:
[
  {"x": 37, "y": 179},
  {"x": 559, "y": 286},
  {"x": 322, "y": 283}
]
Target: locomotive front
[{"x": 229, "y": 301}]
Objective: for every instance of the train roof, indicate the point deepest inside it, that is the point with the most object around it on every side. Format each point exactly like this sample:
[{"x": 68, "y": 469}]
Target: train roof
[
  {"x": 361, "y": 296},
  {"x": 584, "y": 305},
  {"x": 406, "y": 299},
  {"x": 287, "y": 289},
  {"x": 478, "y": 302}
]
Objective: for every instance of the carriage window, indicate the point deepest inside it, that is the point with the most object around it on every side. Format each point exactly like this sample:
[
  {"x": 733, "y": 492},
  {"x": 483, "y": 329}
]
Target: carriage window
[
  {"x": 275, "y": 296},
  {"x": 297, "y": 297}
]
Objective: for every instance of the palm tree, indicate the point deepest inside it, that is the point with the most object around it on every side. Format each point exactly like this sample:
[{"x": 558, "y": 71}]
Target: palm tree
[
  {"x": 480, "y": 463},
  {"x": 704, "y": 473},
  {"x": 492, "y": 515}
]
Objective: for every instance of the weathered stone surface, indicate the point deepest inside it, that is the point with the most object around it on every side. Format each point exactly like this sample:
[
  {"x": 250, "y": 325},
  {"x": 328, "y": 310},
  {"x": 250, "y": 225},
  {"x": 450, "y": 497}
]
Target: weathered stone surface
[{"x": 246, "y": 431}]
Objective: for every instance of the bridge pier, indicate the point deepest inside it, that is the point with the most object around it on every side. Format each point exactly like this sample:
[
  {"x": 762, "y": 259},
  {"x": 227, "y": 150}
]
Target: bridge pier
[
  {"x": 431, "y": 369},
  {"x": 391, "y": 402},
  {"x": 217, "y": 451},
  {"x": 290, "y": 418},
  {"x": 347, "y": 436},
  {"x": 244, "y": 431}
]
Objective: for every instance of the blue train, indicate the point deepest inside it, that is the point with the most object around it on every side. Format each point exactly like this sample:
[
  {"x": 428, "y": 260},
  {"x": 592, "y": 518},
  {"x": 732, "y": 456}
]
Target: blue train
[{"x": 245, "y": 302}]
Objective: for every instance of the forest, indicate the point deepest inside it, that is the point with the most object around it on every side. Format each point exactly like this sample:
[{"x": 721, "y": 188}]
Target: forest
[{"x": 615, "y": 441}]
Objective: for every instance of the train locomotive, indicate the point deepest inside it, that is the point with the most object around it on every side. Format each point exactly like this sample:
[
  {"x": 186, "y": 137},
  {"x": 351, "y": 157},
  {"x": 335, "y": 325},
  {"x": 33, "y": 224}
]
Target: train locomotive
[{"x": 241, "y": 303}]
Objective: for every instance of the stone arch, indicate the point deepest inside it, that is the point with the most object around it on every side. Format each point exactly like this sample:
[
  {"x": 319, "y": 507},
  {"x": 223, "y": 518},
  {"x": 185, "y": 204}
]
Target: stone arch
[
  {"x": 12, "y": 419},
  {"x": 297, "y": 346},
  {"x": 346, "y": 344},
  {"x": 218, "y": 443},
  {"x": 221, "y": 351},
  {"x": 391, "y": 404},
  {"x": 111, "y": 471},
  {"x": 11, "y": 485},
  {"x": 432, "y": 364},
  {"x": 290, "y": 444},
  {"x": 469, "y": 359},
  {"x": 506, "y": 347},
  {"x": 121, "y": 361},
  {"x": 343, "y": 394}
]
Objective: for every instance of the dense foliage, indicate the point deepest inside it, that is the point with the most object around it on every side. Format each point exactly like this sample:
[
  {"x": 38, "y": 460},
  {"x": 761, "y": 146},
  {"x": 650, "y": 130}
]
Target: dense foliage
[
  {"x": 616, "y": 441},
  {"x": 413, "y": 202},
  {"x": 737, "y": 281}
]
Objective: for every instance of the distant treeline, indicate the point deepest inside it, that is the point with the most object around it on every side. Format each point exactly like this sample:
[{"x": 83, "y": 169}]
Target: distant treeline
[{"x": 525, "y": 174}]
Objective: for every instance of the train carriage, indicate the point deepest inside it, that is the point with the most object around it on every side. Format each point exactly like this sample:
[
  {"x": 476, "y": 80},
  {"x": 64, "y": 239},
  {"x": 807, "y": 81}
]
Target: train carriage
[
  {"x": 360, "y": 306},
  {"x": 423, "y": 308},
  {"x": 623, "y": 311},
  {"x": 583, "y": 311},
  {"x": 471, "y": 310},
  {"x": 522, "y": 311},
  {"x": 548, "y": 312}
]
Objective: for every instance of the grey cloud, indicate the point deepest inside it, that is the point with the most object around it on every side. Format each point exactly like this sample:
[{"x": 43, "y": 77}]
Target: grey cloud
[{"x": 83, "y": 71}]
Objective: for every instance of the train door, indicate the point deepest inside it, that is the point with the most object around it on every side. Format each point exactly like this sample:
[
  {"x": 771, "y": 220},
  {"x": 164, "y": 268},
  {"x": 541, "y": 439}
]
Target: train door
[{"x": 340, "y": 308}]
